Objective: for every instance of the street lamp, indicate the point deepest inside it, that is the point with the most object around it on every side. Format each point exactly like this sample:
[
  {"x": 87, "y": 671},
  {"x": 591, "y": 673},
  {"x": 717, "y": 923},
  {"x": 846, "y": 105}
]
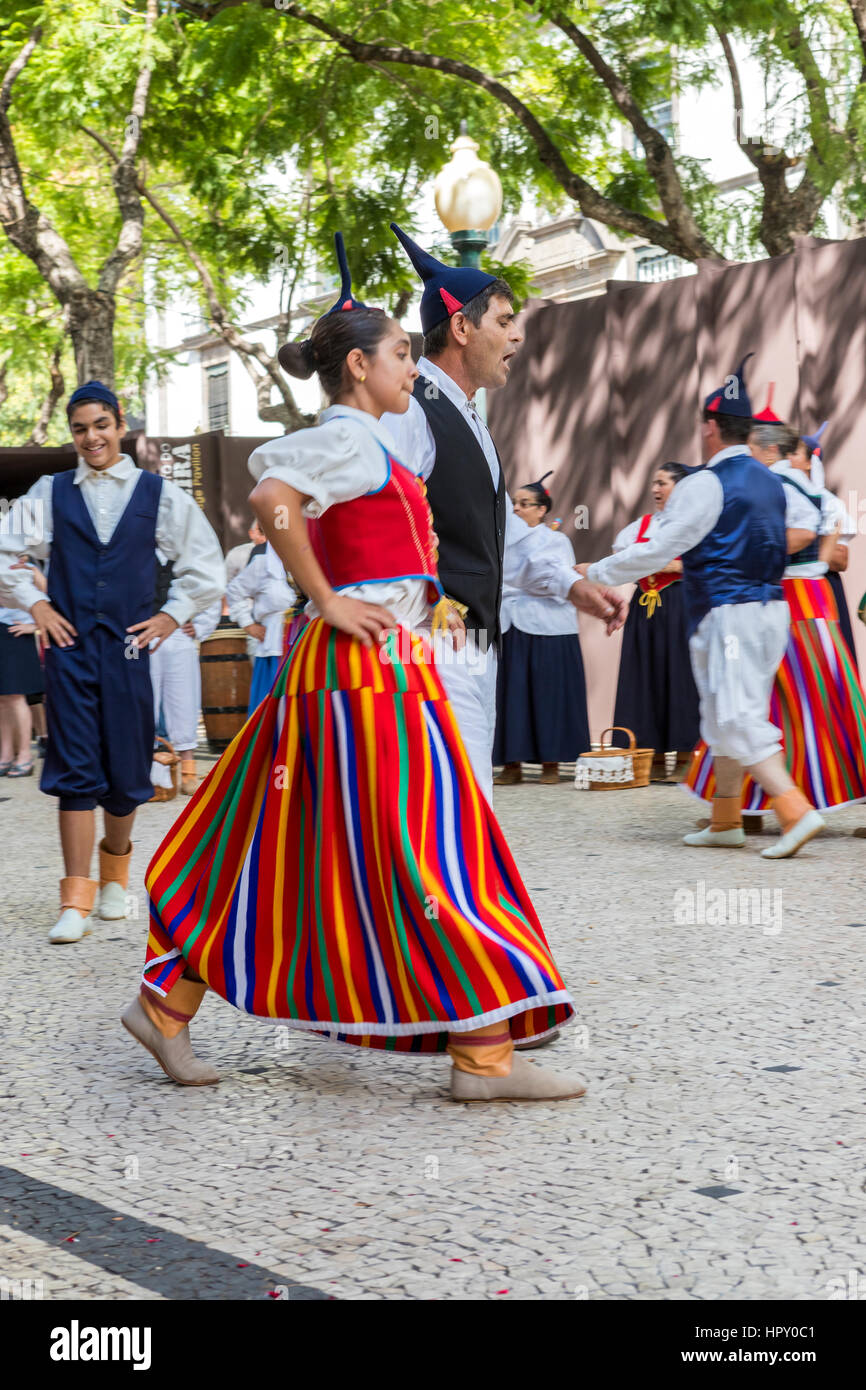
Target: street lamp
[{"x": 468, "y": 198}]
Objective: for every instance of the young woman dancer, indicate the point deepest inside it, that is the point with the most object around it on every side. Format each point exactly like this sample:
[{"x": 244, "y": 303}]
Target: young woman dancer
[{"x": 340, "y": 869}]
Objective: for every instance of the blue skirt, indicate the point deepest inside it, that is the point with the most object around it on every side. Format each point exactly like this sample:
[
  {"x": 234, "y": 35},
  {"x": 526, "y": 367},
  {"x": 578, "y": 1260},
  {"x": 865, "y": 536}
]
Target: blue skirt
[
  {"x": 20, "y": 669},
  {"x": 540, "y": 700},
  {"x": 656, "y": 696},
  {"x": 844, "y": 616},
  {"x": 265, "y": 670}
]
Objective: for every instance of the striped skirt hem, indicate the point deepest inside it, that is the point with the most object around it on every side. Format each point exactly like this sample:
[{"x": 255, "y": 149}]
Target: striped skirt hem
[
  {"x": 340, "y": 871},
  {"x": 818, "y": 705}
]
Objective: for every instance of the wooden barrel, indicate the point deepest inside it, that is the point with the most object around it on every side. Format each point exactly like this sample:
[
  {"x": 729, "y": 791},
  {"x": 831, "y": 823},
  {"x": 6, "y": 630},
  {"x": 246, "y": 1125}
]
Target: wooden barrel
[{"x": 226, "y": 672}]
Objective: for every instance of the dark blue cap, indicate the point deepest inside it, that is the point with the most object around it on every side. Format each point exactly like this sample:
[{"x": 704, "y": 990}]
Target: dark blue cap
[
  {"x": 447, "y": 288},
  {"x": 93, "y": 391},
  {"x": 732, "y": 398},
  {"x": 345, "y": 301}
]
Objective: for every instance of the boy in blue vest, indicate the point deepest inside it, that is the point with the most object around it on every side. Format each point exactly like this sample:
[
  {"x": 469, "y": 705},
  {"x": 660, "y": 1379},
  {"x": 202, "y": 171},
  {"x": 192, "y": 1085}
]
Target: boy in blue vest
[
  {"x": 100, "y": 525},
  {"x": 727, "y": 522}
]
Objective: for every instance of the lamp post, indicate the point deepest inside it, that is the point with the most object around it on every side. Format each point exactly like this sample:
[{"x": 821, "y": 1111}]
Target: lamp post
[{"x": 468, "y": 197}]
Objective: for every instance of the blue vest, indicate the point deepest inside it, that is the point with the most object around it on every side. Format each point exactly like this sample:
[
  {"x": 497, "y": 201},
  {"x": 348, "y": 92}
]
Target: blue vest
[
  {"x": 96, "y": 585},
  {"x": 743, "y": 558}
]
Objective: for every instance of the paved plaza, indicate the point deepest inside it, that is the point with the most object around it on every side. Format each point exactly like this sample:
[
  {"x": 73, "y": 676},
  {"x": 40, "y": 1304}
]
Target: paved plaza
[{"x": 717, "y": 1154}]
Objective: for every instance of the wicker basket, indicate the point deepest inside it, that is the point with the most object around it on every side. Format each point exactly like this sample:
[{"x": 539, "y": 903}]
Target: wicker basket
[{"x": 626, "y": 767}]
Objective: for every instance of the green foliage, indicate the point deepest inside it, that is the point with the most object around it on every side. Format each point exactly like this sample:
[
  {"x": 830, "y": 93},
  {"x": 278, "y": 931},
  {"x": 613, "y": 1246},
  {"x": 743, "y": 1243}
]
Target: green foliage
[{"x": 263, "y": 136}]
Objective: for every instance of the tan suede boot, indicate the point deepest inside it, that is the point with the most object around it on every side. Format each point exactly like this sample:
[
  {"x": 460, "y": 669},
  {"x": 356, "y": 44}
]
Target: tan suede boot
[
  {"x": 162, "y": 1026},
  {"x": 525, "y": 1081},
  {"x": 113, "y": 883},
  {"x": 77, "y": 896},
  {"x": 486, "y": 1069}
]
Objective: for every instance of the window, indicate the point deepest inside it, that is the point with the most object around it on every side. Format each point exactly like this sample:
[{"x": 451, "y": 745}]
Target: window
[
  {"x": 662, "y": 117},
  {"x": 217, "y": 378}
]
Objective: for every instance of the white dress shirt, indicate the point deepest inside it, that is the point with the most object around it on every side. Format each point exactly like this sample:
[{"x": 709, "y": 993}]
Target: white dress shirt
[
  {"x": 183, "y": 534},
  {"x": 530, "y": 562}
]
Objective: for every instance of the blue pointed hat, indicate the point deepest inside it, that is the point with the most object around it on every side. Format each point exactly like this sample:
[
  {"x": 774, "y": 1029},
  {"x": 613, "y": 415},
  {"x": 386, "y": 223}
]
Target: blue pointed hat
[
  {"x": 732, "y": 398},
  {"x": 345, "y": 301},
  {"x": 447, "y": 288},
  {"x": 813, "y": 441}
]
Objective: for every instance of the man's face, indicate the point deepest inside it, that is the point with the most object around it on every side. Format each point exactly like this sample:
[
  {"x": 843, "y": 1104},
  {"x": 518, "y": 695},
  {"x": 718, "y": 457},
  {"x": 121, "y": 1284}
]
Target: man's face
[{"x": 489, "y": 348}]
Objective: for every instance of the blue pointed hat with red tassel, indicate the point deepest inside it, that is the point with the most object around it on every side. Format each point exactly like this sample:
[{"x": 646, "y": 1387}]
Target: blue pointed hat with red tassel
[
  {"x": 447, "y": 288},
  {"x": 345, "y": 300},
  {"x": 732, "y": 398}
]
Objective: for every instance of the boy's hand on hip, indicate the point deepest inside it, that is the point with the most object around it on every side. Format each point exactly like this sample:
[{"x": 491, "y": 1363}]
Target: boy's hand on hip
[
  {"x": 154, "y": 630},
  {"x": 56, "y": 630}
]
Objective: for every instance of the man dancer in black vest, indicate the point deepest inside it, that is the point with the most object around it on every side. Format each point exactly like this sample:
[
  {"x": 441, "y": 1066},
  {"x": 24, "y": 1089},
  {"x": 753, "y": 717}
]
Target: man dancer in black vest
[{"x": 470, "y": 336}]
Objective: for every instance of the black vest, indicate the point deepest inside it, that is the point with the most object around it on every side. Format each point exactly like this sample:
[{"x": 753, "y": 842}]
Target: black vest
[{"x": 468, "y": 513}]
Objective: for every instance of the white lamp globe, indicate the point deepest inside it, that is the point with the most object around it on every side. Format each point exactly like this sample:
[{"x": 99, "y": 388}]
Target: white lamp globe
[{"x": 467, "y": 191}]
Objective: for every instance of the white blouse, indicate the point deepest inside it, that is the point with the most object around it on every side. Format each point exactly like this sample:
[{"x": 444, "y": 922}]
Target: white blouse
[
  {"x": 337, "y": 460},
  {"x": 540, "y": 615}
]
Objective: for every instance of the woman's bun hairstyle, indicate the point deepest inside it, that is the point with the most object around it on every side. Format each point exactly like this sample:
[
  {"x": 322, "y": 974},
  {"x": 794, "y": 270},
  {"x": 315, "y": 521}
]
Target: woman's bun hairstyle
[
  {"x": 331, "y": 339},
  {"x": 298, "y": 359}
]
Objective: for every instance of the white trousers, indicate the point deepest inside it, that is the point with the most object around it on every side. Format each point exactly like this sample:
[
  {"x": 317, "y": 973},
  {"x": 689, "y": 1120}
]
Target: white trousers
[
  {"x": 176, "y": 678},
  {"x": 469, "y": 677},
  {"x": 735, "y": 654}
]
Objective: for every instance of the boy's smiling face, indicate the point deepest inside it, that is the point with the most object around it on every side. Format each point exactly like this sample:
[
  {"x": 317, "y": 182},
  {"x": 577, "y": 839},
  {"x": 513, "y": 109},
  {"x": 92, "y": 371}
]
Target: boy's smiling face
[{"x": 96, "y": 434}]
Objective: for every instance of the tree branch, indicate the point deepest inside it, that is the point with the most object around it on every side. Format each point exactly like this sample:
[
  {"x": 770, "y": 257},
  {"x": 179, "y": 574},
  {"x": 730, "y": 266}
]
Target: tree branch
[
  {"x": 39, "y": 432},
  {"x": 786, "y": 212},
  {"x": 591, "y": 202},
  {"x": 858, "y": 13},
  {"x": 29, "y": 230},
  {"x": 15, "y": 67},
  {"x": 660, "y": 162},
  {"x": 246, "y": 349},
  {"x": 124, "y": 176}
]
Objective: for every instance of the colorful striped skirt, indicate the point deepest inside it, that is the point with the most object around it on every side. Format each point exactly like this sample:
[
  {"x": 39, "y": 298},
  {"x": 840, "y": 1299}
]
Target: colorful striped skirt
[
  {"x": 339, "y": 868},
  {"x": 818, "y": 704}
]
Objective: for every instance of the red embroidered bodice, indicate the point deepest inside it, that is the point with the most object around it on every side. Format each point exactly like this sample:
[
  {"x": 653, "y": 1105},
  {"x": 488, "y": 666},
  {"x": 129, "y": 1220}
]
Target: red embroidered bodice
[{"x": 384, "y": 535}]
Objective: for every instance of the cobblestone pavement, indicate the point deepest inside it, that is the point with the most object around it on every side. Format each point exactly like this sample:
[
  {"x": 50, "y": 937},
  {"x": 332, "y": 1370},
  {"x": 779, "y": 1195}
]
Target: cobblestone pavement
[{"x": 717, "y": 1155}]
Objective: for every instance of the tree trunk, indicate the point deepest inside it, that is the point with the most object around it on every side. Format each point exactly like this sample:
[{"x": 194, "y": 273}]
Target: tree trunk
[{"x": 91, "y": 329}]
